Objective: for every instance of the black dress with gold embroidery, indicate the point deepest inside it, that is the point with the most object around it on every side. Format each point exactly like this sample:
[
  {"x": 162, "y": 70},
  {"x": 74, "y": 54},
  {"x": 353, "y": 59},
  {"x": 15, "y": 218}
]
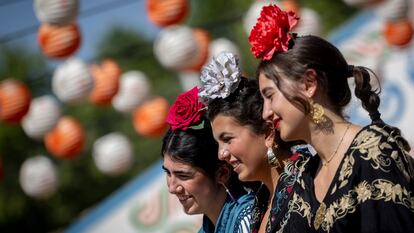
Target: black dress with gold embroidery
[
  {"x": 282, "y": 194},
  {"x": 372, "y": 191}
]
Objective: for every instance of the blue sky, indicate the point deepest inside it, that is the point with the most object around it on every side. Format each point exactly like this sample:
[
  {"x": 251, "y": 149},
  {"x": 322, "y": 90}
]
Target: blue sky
[{"x": 95, "y": 18}]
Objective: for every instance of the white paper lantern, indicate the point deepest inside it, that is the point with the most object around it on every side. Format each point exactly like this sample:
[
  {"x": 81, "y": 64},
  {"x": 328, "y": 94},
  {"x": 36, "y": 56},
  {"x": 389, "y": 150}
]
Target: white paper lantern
[
  {"x": 72, "y": 81},
  {"x": 309, "y": 23},
  {"x": 134, "y": 89},
  {"x": 361, "y": 3},
  {"x": 56, "y": 11},
  {"x": 38, "y": 177},
  {"x": 44, "y": 112},
  {"x": 253, "y": 13},
  {"x": 222, "y": 45},
  {"x": 113, "y": 154},
  {"x": 393, "y": 10},
  {"x": 175, "y": 47},
  {"x": 188, "y": 80}
]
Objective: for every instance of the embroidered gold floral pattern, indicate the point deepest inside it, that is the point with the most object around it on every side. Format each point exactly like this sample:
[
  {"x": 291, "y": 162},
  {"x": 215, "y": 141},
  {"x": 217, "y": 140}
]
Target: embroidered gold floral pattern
[
  {"x": 299, "y": 206},
  {"x": 378, "y": 147},
  {"x": 370, "y": 149},
  {"x": 345, "y": 172},
  {"x": 379, "y": 189}
]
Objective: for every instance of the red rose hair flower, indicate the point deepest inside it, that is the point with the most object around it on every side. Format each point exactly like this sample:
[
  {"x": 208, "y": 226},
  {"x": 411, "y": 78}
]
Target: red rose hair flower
[
  {"x": 186, "y": 111},
  {"x": 271, "y": 33}
]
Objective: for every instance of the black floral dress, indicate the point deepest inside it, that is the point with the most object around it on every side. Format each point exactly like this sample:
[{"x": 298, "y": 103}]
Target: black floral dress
[
  {"x": 282, "y": 194},
  {"x": 372, "y": 191}
]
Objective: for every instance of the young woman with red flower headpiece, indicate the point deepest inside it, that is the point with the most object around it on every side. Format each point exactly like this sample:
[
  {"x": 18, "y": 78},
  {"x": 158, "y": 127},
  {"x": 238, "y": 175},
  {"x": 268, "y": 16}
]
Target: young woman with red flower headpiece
[
  {"x": 362, "y": 177},
  {"x": 246, "y": 141},
  {"x": 202, "y": 183}
]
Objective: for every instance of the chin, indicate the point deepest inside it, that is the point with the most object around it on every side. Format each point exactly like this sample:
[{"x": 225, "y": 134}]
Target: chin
[
  {"x": 191, "y": 211},
  {"x": 245, "y": 177},
  {"x": 287, "y": 137}
]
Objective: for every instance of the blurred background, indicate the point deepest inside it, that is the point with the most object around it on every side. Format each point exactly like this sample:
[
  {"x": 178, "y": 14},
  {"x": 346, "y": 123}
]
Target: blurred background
[{"x": 85, "y": 87}]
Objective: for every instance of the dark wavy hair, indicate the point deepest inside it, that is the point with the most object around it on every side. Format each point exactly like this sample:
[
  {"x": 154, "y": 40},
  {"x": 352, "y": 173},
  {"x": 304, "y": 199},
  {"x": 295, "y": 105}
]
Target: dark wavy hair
[
  {"x": 333, "y": 71},
  {"x": 195, "y": 147},
  {"x": 245, "y": 105}
]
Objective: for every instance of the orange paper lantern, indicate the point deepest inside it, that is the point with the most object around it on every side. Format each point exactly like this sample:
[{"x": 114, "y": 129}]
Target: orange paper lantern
[
  {"x": 149, "y": 118},
  {"x": 398, "y": 33},
  {"x": 67, "y": 139},
  {"x": 202, "y": 38},
  {"x": 59, "y": 41},
  {"x": 290, "y": 5},
  {"x": 106, "y": 82},
  {"x": 167, "y": 12},
  {"x": 14, "y": 100}
]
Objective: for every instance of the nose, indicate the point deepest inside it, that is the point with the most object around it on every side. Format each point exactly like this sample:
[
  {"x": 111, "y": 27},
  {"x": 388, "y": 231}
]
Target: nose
[
  {"x": 224, "y": 154},
  {"x": 267, "y": 112},
  {"x": 173, "y": 186}
]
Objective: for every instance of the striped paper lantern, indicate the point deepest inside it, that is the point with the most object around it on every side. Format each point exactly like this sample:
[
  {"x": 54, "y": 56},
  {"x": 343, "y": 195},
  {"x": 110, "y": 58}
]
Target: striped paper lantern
[
  {"x": 202, "y": 38},
  {"x": 309, "y": 23},
  {"x": 149, "y": 119},
  {"x": 72, "y": 81},
  {"x": 249, "y": 19},
  {"x": 106, "y": 82},
  {"x": 113, "y": 154},
  {"x": 133, "y": 90},
  {"x": 175, "y": 47},
  {"x": 59, "y": 41},
  {"x": 362, "y": 3},
  {"x": 188, "y": 80},
  {"x": 60, "y": 12},
  {"x": 67, "y": 139},
  {"x": 394, "y": 10},
  {"x": 44, "y": 113},
  {"x": 38, "y": 177},
  {"x": 222, "y": 45},
  {"x": 14, "y": 100},
  {"x": 167, "y": 12}
]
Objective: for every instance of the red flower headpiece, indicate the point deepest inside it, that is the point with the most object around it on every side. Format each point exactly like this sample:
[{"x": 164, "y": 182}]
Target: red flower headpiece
[
  {"x": 187, "y": 111},
  {"x": 271, "y": 33}
]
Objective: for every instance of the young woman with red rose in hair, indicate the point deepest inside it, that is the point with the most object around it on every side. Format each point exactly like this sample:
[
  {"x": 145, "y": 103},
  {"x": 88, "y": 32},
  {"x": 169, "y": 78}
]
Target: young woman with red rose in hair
[
  {"x": 362, "y": 178},
  {"x": 203, "y": 184},
  {"x": 246, "y": 141}
]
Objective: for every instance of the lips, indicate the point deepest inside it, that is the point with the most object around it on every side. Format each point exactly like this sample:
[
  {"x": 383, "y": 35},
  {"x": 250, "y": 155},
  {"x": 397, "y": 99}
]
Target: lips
[
  {"x": 183, "y": 197},
  {"x": 235, "y": 164},
  {"x": 276, "y": 123}
]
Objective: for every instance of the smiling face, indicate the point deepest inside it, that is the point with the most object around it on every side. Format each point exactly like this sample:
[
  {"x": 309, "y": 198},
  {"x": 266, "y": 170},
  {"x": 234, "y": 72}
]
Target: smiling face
[
  {"x": 239, "y": 146},
  {"x": 196, "y": 191},
  {"x": 286, "y": 117}
]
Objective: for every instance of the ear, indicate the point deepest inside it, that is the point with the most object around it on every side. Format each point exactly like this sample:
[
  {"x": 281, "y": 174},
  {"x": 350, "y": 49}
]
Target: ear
[
  {"x": 223, "y": 174},
  {"x": 310, "y": 83}
]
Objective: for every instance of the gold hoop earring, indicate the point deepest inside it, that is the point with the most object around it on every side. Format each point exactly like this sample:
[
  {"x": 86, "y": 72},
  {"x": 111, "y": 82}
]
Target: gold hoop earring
[
  {"x": 317, "y": 113},
  {"x": 272, "y": 158}
]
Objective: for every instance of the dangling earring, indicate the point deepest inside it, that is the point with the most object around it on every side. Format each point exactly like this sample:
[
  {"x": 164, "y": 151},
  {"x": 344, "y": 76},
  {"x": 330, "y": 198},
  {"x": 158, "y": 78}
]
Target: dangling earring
[
  {"x": 317, "y": 113},
  {"x": 272, "y": 158},
  {"x": 228, "y": 192}
]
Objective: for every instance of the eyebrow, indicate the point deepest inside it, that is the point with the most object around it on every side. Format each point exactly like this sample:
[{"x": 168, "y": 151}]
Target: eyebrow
[
  {"x": 222, "y": 135},
  {"x": 178, "y": 172},
  {"x": 265, "y": 90}
]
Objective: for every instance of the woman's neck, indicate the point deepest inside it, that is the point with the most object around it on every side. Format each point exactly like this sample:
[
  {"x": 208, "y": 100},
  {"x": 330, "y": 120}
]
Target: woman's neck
[
  {"x": 270, "y": 181},
  {"x": 215, "y": 208}
]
